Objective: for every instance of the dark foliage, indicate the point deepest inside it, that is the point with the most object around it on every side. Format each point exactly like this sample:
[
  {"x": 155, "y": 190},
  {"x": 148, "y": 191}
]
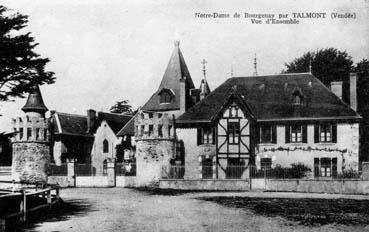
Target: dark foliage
[
  {"x": 122, "y": 107},
  {"x": 311, "y": 212},
  {"x": 327, "y": 65},
  {"x": 21, "y": 69}
]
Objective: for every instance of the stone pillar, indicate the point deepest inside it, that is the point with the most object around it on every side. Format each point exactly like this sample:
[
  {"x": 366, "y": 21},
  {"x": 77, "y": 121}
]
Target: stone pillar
[
  {"x": 365, "y": 171},
  {"x": 214, "y": 167},
  {"x": 71, "y": 172},
  {"x": 111, "y": 171},
  {"x": 200, "y": 167}
]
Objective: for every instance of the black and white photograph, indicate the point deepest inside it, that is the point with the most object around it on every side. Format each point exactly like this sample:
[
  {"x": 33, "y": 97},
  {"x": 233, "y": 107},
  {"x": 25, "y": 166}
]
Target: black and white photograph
[{"x": 184, "y": 115}]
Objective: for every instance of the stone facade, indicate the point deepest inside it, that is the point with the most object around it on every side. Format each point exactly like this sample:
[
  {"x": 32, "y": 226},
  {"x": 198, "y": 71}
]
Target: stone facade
[
  {"x": 155, "y": 146},
  {"x": 31, "y": 151},
  {"x": 98, "y": 154},
  {"x": 346, "y": 149}
]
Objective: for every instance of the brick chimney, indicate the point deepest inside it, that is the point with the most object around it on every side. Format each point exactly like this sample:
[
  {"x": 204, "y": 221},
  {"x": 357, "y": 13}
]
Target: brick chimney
[
  {"x": 353, "y": 95},
  {"x": 336, "y": 88},
  {"x": 182, "y": 95},
  {"x": 91, "y": 119}
]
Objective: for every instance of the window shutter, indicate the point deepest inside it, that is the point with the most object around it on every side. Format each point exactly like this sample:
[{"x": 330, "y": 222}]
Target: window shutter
[
  {"x": 334, "y": 133},
  {"x": 316, "y": 133},
  {"x": 199, "y": 136},
  {"x": 316, "y": 167},
  {"x": 287, "y": 134},
  {"x": 334, "y": 167},
  {"x": 304, "y": 133},
  {"x": 274, "y": 134}
]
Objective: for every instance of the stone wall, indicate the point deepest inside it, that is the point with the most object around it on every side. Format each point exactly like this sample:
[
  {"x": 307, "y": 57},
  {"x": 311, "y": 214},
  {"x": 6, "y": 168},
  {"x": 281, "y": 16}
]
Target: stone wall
[
  {"x": 30, "y": 161},
  {"x": 217, "y": 185},
  {"x": 155, "y": 146},
  {"x": 104, "y": 132},
  {"x": 346, "y": 150}
]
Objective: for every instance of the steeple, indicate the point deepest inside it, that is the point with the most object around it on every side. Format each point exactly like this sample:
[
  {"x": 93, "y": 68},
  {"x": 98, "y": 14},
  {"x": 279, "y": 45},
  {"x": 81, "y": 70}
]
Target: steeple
[
  {"x": 255, "y": 66},
  {"x": 174, "y": 89},
  {"x": 35, "y": 106},
  {"x": 204, "y": 87}
]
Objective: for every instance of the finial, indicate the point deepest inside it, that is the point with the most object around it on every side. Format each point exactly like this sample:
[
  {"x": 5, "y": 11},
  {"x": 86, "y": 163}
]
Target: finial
[
  {"x": 176, "y": 43},
  {"x": 255, "y": 66},
  {"x": 204, "y": 62},
  {"x": 232, "y": 70}
]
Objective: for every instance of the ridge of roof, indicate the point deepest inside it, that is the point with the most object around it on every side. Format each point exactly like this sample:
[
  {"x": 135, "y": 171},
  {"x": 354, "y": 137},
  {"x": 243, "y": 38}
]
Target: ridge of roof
[{"x": 70, "y": 114}]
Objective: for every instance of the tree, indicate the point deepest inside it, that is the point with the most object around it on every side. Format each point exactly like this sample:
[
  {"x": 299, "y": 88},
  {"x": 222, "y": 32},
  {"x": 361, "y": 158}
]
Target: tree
[
  {"x": 122, "y": 107},
  {"x": 327, "y": 65},
  {"x": 21, "y": 69}
]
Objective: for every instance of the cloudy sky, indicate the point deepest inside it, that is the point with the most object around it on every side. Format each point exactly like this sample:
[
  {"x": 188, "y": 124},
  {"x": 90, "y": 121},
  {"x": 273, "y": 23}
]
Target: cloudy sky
[{"x": 104, "y": 51}]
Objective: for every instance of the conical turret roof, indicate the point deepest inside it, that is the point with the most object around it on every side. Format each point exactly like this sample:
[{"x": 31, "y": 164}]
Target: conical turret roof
[
  {"x": 175, "y": 71},
  {"x": 35, "y": 103}
]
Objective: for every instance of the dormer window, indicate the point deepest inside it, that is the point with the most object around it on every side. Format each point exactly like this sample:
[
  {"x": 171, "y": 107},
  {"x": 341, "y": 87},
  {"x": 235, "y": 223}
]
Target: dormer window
[
  {"x": 297, "y": 97},
  {"x": 166, "y": 96}
]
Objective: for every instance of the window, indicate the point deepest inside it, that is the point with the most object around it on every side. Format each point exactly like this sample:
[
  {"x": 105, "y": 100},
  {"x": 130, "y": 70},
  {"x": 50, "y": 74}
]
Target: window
[
  {"x": 297, "y": 100},
  {"x": 151, "y": 129},
  {"x": 160, "y": 130},
  {"x": 266, "y": 164},
  {"x": 142, "y": 131},
  {"x": 37, "y": 133},
  {"x": 233, "y": 132},
  {"x": 233, "y": 111},
  {"x": 296, "y": 134},
  {"x": 151, "y": 115},
  {"x": 45, "y": 134},
  {"x": 325, "y": 133},
  {"x": 169, "y": 129},
  {"x": 325, "y": 167},
  {"x": 136, "y": 130},
  {"x": 268, "y": 134},
  {"x": 105, "y": 146},
  {"x": 29, "y": 133},
  {"x": 297, "y": 97},
  {"x": 206, "y": 136},
  {"x": 166, "y": 96},
  {"x": 21, "y": 133}
]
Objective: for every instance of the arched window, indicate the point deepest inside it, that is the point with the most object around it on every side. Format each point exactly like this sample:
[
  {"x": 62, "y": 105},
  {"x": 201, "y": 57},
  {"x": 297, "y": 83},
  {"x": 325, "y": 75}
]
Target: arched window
[
  {"x": 105, "y": 146},
  {"x": 297, "y": 97}
]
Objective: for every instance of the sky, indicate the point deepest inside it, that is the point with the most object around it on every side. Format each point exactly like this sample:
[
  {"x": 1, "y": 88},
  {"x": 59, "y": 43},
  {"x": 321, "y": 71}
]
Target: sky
[{"x": 105, "y": 51}]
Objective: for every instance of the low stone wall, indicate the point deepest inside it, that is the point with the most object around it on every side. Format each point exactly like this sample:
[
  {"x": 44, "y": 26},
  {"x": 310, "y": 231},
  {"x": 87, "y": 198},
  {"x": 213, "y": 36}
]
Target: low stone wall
[
  {"x": 313, "y": 186},
  {"x": 125, "y": 181},
  {"x": 224, "y": 185},
  {"x": 93, "y": 181},
  {"x": 62, "y": 181}
]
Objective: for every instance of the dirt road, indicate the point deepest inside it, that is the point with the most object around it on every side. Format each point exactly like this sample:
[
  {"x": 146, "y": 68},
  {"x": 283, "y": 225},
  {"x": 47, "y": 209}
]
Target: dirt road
[{"x": 118, "y": 209}]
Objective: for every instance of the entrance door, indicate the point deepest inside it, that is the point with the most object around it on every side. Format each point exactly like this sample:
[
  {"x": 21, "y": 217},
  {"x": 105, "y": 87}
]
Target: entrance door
[{"x": 207, "y": 169}]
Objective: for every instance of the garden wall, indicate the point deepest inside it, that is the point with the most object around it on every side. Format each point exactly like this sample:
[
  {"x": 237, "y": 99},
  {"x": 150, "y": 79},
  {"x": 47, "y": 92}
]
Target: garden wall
[{"x": 202, "y": 184}]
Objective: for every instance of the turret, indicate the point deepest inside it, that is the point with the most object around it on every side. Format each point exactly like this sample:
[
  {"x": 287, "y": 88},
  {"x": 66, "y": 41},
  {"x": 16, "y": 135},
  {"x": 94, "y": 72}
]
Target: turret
[{"x": 35, "y": 106}]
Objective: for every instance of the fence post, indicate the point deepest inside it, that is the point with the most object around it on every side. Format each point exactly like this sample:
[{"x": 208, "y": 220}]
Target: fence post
[
  {"x": 71, "y": 172},
  {"x": 214, "y": 167},
  {"x": 23, "y": 205},
  {"x": 200, "y": 167},
  {"x": 111, "y": 171}
]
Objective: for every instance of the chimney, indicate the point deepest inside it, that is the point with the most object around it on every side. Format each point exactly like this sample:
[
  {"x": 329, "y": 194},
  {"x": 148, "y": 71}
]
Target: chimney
[
  {"x": 91, "y": 118},
  {"x": 336, "y": 88},
  {"x": 182, "y": 95},
  {"x": 353, "y": 97}
]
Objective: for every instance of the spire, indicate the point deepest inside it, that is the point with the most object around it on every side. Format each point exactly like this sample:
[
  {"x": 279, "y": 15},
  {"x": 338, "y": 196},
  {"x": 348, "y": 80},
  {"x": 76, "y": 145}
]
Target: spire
[
  {"x": 255, "y": 66},
  {"x": 35, "y": 103},
  {"x": 203, "y": 62}
]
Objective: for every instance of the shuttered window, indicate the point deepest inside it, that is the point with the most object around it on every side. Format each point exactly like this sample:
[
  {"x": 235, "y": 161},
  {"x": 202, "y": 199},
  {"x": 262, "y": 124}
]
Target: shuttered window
[
  {"x": 296, "y": 133},
  {"x": 268, "y": 134},
  {"x": 325, "y": 133}
]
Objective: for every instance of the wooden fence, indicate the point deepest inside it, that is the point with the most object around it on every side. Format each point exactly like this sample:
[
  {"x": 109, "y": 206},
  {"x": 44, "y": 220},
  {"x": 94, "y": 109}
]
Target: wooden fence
[{"x": 43, "y": 194}]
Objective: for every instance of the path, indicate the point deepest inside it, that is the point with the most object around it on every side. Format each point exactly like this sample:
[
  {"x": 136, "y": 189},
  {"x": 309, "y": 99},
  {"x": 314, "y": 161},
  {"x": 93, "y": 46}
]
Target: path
[{"x": 119, "y": 209}]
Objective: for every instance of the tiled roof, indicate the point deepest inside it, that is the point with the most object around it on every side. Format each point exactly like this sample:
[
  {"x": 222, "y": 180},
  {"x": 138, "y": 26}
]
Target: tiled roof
[
  {"x": 70, "y": 124},
  {"x": 129, "y": 128},
  {"x": 175, "y": 71},
  {"x": 270, "y": 98},
  {"x": 115, "y": 121}
]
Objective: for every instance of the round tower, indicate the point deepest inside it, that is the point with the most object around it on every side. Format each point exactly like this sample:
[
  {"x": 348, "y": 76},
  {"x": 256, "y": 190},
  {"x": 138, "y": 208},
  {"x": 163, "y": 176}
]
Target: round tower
[{"x": 31, "y": 152}]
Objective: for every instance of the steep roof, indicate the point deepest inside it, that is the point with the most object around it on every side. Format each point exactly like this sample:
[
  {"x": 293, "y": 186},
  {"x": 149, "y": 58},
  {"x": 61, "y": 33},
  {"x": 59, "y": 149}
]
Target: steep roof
[
  {"x": 35, "y": 103},
  {"x": 115, "y": 121},
  {"x": 270, "y": 99},
  {"x": 129, "y": 128},
  {"x": 70, "y": 124},
  {"x": 175, "y": 71}
]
